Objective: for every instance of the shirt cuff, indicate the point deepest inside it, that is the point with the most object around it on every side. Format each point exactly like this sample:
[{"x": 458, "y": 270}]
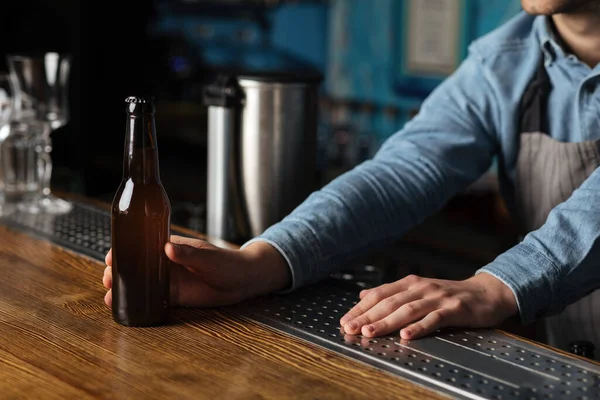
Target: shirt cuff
[{"x": 530, "y": 275}]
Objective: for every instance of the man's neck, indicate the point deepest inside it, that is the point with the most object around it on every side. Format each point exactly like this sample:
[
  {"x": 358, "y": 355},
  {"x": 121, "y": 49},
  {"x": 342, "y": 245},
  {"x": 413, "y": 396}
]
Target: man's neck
[{"x": 581, "y": 33}]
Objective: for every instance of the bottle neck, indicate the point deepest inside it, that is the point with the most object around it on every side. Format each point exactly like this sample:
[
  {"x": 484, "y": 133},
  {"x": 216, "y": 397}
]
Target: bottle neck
[{"x": 140, "y": 161}]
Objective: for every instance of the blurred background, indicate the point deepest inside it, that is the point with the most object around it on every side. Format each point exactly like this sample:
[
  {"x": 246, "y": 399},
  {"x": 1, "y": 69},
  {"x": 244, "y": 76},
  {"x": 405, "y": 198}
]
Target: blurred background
[{"x": 378, "y": 59}]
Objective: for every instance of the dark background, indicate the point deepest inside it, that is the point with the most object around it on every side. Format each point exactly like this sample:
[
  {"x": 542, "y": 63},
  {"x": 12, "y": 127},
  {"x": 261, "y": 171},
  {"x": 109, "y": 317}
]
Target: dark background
[
  {"x": 110, "y": 54},
  {"x": 114, "y": 57}
]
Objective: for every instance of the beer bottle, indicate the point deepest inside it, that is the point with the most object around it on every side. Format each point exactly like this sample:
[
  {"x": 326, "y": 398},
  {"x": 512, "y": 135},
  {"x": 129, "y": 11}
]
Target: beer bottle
[{"x": 141, "y": 214}]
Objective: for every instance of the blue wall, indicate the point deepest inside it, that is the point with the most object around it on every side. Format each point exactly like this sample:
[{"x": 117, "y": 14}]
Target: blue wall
[
  {"x": 366, "y": 52},
  {"x": 358, "y": 45},
  {"x": 365, "y": 57}
]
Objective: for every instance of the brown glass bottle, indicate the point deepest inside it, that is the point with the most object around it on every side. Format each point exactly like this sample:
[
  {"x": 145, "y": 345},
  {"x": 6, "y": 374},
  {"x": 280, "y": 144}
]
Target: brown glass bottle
[{"x": 141, "y": 215}]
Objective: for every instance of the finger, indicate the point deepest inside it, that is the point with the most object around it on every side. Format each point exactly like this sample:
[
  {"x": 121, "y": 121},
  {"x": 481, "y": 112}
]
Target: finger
[
  {"x": 108, "y": 298},
  {"x": 108, "y": 258},
  {"x": 182, "y": 254},
  {"x": 374, "y": 296},
  {"x": 363, "y": 293},
  {"x": 197, "y": 243},
  {"x": 432, "y": 321},
  {"x": 185, "y": 251},
  {"x": 201, "y": 257},
  {"x": 107, "y": 277},
  {"x": 404, "y": 315},
  {"x": 380, "y": 310}
]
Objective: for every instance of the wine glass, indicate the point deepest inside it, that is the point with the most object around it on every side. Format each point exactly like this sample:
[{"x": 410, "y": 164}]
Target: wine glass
[
  {"x": 41, "y": 81},
  {"x": 6, "y": 109}
]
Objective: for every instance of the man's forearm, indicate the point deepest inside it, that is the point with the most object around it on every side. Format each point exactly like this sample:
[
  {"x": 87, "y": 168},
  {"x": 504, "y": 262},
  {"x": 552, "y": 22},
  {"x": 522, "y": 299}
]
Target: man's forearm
[{"x": 558, "y": 263}]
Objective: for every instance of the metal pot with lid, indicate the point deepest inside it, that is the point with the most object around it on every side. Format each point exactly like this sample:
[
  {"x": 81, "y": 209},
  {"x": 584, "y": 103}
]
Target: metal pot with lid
[{"x": 262, "y": 130}]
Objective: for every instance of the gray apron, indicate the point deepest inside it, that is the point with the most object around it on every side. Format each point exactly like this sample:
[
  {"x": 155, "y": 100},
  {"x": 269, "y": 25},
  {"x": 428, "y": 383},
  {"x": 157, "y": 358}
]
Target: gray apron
[{"x": 547, "y": 173}]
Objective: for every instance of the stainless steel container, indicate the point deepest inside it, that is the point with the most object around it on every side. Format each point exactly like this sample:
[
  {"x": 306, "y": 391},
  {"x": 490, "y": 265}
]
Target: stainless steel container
[{"x": 261, "y": 151}]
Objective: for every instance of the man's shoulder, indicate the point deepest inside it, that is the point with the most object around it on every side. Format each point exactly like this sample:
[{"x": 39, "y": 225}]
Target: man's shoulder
[
  {"x": 510, "y": 54},
  {"x": 516, "y": 36}
]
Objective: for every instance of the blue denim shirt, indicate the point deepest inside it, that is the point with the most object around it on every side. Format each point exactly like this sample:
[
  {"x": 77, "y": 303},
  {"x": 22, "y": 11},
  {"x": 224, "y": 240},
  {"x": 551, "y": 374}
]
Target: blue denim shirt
[{"x": 467, "y": 121}]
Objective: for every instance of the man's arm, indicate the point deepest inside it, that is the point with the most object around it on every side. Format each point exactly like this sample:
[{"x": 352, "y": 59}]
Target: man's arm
[
  {"x": 560, "y": 262},
  {"x": 446, "y": 147}
]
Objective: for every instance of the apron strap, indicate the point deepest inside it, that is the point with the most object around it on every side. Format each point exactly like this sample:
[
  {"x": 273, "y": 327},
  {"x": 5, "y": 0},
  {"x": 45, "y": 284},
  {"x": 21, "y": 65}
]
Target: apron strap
[{"x": 533, "y": 109}]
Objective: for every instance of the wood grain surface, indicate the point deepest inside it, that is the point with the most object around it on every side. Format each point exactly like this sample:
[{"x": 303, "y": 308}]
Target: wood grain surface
[{"x": 58, "y": 341}]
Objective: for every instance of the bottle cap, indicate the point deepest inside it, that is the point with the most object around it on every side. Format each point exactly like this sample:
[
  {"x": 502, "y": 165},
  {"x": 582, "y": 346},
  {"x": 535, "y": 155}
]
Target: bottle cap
[{"x": 137, "y": 104}]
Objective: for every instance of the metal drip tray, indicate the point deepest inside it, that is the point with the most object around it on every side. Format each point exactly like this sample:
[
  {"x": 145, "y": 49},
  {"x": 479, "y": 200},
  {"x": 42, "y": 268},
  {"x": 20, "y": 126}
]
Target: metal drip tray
[
  {"x": 85, "y": 229},
  {"x": 469, "y": 364}
]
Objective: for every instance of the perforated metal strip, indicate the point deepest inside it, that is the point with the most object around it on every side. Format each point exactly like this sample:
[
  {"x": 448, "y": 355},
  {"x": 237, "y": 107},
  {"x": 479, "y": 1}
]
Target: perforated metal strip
[
  {"x": 479, "y": 364},
  {"x": 85, "y": 229}
]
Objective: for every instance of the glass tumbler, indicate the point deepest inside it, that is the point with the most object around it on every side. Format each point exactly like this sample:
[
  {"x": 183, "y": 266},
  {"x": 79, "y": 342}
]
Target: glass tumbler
[
  {"x": 7, "y": 93},
  {"x": 22, "y": 165},
  {"x": 42, "y": 95}
]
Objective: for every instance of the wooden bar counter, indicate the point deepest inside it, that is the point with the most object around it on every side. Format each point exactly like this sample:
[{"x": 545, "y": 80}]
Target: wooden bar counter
[{"x": 58, "y": 341}]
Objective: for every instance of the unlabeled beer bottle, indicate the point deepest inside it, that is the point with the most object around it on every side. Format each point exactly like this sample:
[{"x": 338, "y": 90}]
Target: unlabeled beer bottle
[{"x": 141, "y": 214}]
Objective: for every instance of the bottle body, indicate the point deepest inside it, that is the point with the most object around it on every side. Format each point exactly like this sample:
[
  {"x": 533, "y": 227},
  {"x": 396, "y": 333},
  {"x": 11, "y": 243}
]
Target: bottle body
[{"x": 140, "y": 221}]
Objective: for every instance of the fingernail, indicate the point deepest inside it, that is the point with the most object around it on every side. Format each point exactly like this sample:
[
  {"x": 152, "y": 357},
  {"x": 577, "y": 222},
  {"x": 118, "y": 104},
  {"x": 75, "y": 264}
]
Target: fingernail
[
  {"x": 371, "y": 328},
  {"x": 407, "y": 332},
  {"x": 352, "y": 325},
  {"x": 343, "y": 321}
]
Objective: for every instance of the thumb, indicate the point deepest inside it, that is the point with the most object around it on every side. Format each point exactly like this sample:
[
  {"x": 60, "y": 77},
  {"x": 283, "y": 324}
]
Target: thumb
[
  {"x": 183, "y": 254},
  {"x": 198, "y": 243},
  {"x": 195, "y": 254}
]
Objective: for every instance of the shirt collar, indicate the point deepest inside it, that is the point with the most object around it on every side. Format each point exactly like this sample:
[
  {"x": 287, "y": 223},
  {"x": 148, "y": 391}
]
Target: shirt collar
[{"x": 551, "y": 43}]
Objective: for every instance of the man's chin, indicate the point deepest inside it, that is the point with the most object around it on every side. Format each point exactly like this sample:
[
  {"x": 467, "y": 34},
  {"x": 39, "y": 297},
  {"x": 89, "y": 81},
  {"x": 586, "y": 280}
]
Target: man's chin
[{"x": 552, "y": 7}]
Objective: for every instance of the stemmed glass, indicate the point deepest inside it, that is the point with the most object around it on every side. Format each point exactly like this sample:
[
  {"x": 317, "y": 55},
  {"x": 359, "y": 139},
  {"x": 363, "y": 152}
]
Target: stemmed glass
[
  {"x": 7, "y": 93},
  {"x": 41, "y": 82}
]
